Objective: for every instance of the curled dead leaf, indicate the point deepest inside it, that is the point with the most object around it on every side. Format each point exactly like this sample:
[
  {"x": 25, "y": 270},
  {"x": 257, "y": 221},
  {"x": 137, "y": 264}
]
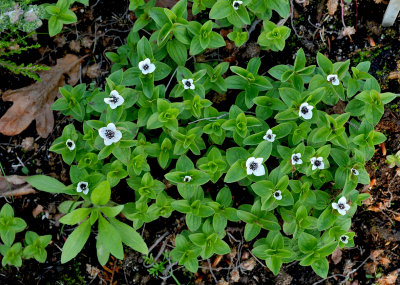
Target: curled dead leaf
[
  {"x": 14, "y": 185},
  {"x": 332, "y": 6},
  {"x": 34, "y": 102}
]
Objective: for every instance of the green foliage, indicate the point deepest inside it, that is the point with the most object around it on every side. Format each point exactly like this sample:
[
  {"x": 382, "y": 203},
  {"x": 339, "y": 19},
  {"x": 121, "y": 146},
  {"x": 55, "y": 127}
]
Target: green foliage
[
  {"x": 13, "y": 253},
  {"x": 298, "y": 164},
  {"x": 59, "y": 14}
]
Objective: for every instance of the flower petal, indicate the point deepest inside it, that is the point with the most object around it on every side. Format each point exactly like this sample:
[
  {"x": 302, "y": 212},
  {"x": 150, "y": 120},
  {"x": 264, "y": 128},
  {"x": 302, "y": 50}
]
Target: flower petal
[
  {"x": 260, "y": 171},
  {"x": 249, "y": 161},
  {"x": 342, "y": 200},
  {"x": 335, "y": 206}
]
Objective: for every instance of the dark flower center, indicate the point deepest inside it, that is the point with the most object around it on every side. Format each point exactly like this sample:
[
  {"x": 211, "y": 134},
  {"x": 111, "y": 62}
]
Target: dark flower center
[
  {"x": 276, "y": 194},
  {"x": 145, "y": 67},
  {"x": 83, "y": 186},
  {"x": 236, "y": 4},
  {"x": 295, "y": 158},
  {"x": 253, "y": 165},
  {"x": 114, "y": 99},
  {"x": 344, "y": 238},
  {"x": 341, "y": 206},
  {"x": 110, "y": 134},
  {"x": 354, "y": 171},
  {"x": 269, "y": 136},
  {"x": 186, "y": 179},
  {"x": 188, "y": 84},
  {"x": 304, "y": 110},
  {"x": 317, "y": 163},
  {"x": 69, "y": 144},
  {"x": 332, "y": 79}
]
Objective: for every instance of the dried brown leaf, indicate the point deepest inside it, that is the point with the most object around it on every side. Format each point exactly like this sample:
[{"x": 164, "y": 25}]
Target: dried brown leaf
[
  {"x": 348, "y": 31},
  {"x": 332, "y": 6},
  {"x": 33, "y": 102},
  {"x": 389, "y": 279},
  {"x": 249, "y": 264},
  {"x": 337, "y": 256},
  {"x": 14, "y": 185}
]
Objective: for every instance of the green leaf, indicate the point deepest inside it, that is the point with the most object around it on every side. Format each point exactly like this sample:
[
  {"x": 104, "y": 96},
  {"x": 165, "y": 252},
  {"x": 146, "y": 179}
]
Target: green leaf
[
  {"x": 101, "y": 194},
  {"x": 236, "y": 172},
  {"x": 307, "y": 242},
  {"x": 46, "y": 183},
  {"x": 75, "y": 242},
  {"x": 177, "y": 51},
  {"x": 110, "y": 237},
  {"x": 130, "y": 237}
]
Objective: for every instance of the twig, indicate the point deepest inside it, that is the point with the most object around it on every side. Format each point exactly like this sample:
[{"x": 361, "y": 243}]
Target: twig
[
  {"x": 342, "y": 10},
  {"x": 210, "y": 118},
  {"x": 158, "y": 241},
  {"x": 211, "y": 270},
  {"x": 291, "y": 19},
  {"x": 169, "y": 82}
]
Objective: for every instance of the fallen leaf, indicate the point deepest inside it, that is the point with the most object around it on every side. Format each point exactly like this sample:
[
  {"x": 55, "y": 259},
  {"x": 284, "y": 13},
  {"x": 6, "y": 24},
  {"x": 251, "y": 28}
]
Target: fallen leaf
[
  {"x": 337, "y": 256},
  {"x": 94, "y": 71},
  {"x": 37, "y": 211},
  {"x": 75, "y": 45},
  {"x": 27, "y": 143},
  {"x": 235, "y": 276},
  {"x": 33, "y": 102},
  {"x": 249, "y": 264},
  {"x": 348, "y": 31},
  {"x": 14, "y": 185},
  {"x": 332, "y": 6},
  {"x": 389, "y": 279}
]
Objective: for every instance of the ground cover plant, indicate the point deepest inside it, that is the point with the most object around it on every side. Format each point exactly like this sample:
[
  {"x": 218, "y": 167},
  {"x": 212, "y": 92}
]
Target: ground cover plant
[{"x": 152, "y": 128}]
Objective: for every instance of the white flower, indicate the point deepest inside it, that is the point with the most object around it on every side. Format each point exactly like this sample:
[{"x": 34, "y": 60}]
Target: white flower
[
  {"x": 269, "y": 136},
  {"x": 110, "y": 134},
  {"x": 317, "y": 162},
  {"x": 305, "y": 111},
  {"x": 278, "y": 195},
  {"x": 146, "y": 66},
  {"x": 344, "y": 239},
  {"x": 254, "y": 166},
  {"x": 82, "y": 187},
  {"x": 296, "y": 158},
  {"x": 354, "y": 171},
  {"x": 70, "y": 144},
  {"x": 341, "y": 206},
  {"x": 333, "y": 78},
  {"x": 187, "y": 178},
  {"x": 188, "y": 84},
  {"x": 236, "y": 4},
  {"x": 114, "y": 100}
]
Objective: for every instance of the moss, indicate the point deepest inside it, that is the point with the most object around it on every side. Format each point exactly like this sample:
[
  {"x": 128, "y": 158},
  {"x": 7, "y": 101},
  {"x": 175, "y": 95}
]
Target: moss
[{"x": 73, "y": 278}]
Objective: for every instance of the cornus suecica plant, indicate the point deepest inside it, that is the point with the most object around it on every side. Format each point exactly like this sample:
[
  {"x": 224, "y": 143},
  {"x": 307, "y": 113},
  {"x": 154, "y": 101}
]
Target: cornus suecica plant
[{"x": 278, "y": 138}]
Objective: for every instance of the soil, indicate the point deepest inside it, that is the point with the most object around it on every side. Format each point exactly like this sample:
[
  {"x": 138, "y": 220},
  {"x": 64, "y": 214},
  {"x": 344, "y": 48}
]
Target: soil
[{"x": 376, "y": 224}]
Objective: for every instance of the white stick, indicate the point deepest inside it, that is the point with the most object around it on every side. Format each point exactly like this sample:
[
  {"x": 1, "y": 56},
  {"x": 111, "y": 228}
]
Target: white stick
[{"x": 391, "y": 13}]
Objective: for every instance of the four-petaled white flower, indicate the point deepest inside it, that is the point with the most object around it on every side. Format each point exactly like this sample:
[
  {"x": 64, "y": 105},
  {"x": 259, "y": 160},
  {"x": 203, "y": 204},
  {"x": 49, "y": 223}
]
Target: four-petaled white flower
[
  {"x": 278, "y": 195},
  {"x": 333, "y": 78},
  {"x": 236, "y": 4},
  {"x": 296, "y": 158},
  {"x": 341, "y": 206},
  {"x": 146, "y": 66},
  {"x": 82, "y": 187},
  {"x": 114, "y": 100},
  {"x": 70, "y": 144},
  {"x": 269, "y": 136},
  {"x": 110, "y": 134},
  {"x": 188, "y": 84},
  {"x": 187, "y": 178},
  {"x": 254, "y": 166},
  {"x": 344, "y": 239},
  {"x": 317, "y": 162},
  {"x": 305, "y": 111},
  {"x": 354, "y": 171}
]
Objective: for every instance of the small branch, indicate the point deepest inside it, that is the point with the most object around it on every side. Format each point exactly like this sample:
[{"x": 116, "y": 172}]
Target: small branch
[
  {"x": 342, "y": 10},
  {"x": 211, "y": 270},
  {"x": 158, "y": 241},
  {"x": 210, "y": 118},
  {"x": 291, "y": 19}
]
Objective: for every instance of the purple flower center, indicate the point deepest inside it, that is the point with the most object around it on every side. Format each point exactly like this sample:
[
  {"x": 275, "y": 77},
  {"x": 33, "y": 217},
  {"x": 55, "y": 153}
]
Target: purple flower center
[
  {"x": 304, "y": 110},
  {"x": 341, "y": 206},
  {"x": 253, "y": 166},
  {"x": 317, "y": 163},
  {"x": 109, "y": 134},
  {"x": 113, "y": 99}
]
